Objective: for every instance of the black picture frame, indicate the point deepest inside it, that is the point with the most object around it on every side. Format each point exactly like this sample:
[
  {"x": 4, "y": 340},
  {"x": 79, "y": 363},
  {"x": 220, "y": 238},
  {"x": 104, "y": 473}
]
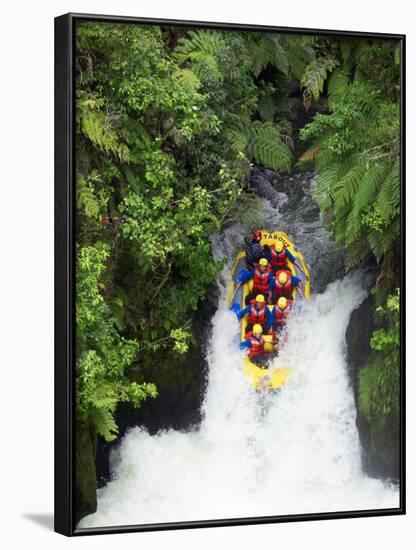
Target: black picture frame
[{"x": 65, "y": 26}]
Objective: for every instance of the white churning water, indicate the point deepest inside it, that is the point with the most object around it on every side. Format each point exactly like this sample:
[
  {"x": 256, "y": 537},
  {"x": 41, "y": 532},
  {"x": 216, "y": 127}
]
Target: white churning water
[{"x": 292, "y": 452}]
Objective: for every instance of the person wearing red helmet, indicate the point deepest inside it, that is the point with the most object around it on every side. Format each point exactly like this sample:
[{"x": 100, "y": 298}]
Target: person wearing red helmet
[{"x": 254, "y": 250}]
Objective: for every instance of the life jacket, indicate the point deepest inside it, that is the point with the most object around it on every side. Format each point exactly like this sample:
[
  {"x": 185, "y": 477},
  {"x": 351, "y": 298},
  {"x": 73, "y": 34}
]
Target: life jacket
[
  {"x": 280, "y": 317},
  {"x": 286, "y": 288},
  {"x": 256, "y": 345},
  {"x": 255, "y": 315},
  {"x": 261, "y": 280},
  {"x": 278, "y": 259}
]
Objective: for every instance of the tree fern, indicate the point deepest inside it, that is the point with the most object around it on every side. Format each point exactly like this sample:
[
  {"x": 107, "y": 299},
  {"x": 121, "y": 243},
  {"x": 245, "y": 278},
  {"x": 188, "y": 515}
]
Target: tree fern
[
  {"x": 263, "y": 143},
  {"x": 201, "y": 50}
]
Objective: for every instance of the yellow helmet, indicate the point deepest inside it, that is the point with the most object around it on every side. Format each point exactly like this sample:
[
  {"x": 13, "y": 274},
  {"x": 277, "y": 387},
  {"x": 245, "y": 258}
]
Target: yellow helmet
[
  {"x": 283, "y": 277},
  {"x": 263, "y": 261},
  {"x": 279, "y": 246},
  {"x": 281, "y": 302},
  {"x": 257, "y": 329},
  {"x": 259, "y": 298}
]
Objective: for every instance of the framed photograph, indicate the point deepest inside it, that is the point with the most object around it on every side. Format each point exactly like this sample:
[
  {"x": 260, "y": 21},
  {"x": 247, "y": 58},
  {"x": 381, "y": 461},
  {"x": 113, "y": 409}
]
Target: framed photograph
[{"x": 229, "y": 286}]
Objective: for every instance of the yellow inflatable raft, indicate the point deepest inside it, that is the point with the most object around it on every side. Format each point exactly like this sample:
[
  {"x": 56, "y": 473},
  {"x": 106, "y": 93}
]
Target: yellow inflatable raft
[{"x": 266, "y": 377}]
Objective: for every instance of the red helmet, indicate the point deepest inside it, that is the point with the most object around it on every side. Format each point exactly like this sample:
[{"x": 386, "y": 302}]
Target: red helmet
[{"x": 256, "y": 235}]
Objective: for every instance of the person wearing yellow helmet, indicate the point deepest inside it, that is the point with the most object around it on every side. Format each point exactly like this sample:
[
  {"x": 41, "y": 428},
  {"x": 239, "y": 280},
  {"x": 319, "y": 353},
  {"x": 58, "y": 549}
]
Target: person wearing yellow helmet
[
  {"x": 278, "y": 254},
  {"x": 279, "y": 315},
  {"x": 262, "y": 280},
  {"x": 284, "y": 283},
  {"x": 258, "y": 347},
  {"x": 257, "y": 312}
]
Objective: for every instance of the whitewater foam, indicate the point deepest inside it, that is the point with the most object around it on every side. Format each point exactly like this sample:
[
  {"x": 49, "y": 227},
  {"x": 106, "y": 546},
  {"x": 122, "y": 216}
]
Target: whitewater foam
[{"x": 292, "y": 452}]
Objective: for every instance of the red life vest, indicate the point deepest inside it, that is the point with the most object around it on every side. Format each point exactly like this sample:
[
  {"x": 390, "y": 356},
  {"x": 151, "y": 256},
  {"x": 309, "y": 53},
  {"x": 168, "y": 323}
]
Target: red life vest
[
  {"x": 280, "y": 316},
  {"x": 255, "y": 315},
  {"x": 278, "y": 259},
  {"x": 261, "y": 280},
  {"x": 286, "y": 288},
  {"x": 256, "y": 345}
]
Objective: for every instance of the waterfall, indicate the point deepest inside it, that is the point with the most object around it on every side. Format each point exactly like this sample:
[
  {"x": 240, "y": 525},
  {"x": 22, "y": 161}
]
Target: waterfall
[{"x": 260, "y": 454}]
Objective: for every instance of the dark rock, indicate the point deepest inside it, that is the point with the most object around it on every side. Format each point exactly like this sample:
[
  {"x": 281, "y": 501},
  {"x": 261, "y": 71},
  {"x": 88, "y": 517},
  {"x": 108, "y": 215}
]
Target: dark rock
[
  {"x": 380, "y": 444},
  {"x": 85, "y": 471}
]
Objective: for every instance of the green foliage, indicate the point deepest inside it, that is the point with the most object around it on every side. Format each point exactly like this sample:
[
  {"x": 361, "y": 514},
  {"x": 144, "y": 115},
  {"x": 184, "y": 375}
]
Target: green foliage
[
  {"x": 314, "y": 77},
  {"x": 102, "y": 354},
  {"x": 266, "y": 49},
  {"x": 379, "y": 381},
  {"x": 358, "y": 162},
  {"x": 263, "y": 143}
]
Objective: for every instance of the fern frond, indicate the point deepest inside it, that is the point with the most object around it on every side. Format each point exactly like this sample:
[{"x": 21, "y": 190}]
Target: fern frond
[
  {"x": 314, "y": 77},
  {"x": 85, "y": 198},
  {"x": 338, "y": 84},
  {"x": 210, "y": 42},
  {"x": 201, "y": 49},
  {"x": 238, "y": 137},
  {"x": 356, "y": 253},
  {"x": 187, "y": 78},
  {"x": 369, "y": 186},
  {"x": 104, "y": 423},
  {"x": 388, "y": 198},
  {"x": 266, "y": 147},
  {"x": 299, "y": 52},
  {"x": 262, "y": 142},
  {"x": 96, "y": 126},
  {"x": 310, "y": 154},
  {"x": 381, "y": 242},
  {"x": 346, "y": 188},
  {"x": 266, "y": 49}
]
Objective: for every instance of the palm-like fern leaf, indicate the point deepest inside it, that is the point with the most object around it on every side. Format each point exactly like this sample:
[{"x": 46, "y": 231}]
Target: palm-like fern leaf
[
  {"x": 263, "y": 143},
  {"x": 201, "y": 50},
  {"x": 389, "y": 196},
  {"x": 85, "y": 198},
  {"x": 187, "y": 78}
]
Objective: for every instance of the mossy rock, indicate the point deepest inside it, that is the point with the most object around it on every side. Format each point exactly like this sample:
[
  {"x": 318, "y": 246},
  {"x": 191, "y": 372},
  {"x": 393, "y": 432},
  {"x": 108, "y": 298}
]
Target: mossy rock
[{"x": 380, "y": 442}]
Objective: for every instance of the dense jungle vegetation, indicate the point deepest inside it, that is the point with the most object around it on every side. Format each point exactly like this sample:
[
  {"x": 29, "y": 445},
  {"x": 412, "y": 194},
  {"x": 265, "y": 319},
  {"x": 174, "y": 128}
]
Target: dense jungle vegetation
[{"x": 169, "y": 122}]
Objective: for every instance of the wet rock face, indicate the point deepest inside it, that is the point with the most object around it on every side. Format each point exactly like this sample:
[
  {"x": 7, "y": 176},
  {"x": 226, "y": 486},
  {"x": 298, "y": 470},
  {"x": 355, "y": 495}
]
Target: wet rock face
[{"x": 380, "y": 455}]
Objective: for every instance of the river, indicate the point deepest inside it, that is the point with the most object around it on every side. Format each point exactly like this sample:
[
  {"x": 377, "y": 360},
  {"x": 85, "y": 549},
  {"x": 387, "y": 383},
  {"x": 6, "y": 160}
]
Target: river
[{"x": 292, "y": 452}]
